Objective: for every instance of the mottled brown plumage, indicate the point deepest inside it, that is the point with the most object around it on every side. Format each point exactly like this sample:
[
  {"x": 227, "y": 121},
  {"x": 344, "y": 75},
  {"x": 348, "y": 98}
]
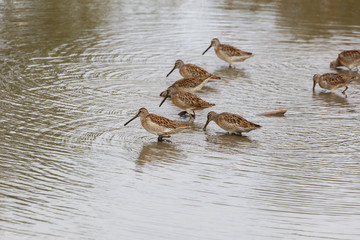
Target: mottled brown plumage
[
  {"x": 332, "y": 81},
  {"x": 188, "y": 85},
  {"x": 228, "y": 53},
  {"x": 233, "y": 123},
  {"x": 349, "y": 59},
  {"x": 157, "y": 125},
  {"x": 191, "y": 71},
  {"x": 185, "y": 100}
]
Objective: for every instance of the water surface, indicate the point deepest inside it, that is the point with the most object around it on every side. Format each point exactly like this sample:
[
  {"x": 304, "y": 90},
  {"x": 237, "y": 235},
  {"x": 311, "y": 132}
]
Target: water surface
[{"x": 72, "y": 73}]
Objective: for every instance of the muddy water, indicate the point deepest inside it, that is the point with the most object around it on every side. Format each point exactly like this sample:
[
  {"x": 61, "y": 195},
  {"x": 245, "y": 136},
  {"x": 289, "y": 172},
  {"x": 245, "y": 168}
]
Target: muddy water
[{"x": 73, "y": 72}]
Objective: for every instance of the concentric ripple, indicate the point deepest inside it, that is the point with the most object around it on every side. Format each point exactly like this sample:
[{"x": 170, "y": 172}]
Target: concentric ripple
[{"x": 72, "y": 73}]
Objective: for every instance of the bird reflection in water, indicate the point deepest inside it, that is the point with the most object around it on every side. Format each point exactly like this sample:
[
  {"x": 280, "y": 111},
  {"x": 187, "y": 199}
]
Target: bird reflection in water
[
  {"x": 235, "y": 73},
  {"x": 226, "y": 142},
  {"x": 158, "y": 153},
  {"x": 331, "y": 98}
]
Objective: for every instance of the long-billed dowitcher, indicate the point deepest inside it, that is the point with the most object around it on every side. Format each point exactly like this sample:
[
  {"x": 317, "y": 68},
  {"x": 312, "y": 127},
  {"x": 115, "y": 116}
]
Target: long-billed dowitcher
[
  {"x": 191, "y": 71},
  {"x": 332, "y": 81},
  {"x": 185, "y": 100},
  {"x": 228, "y": 53},
  {"x": 233, "y": 123},
  {"x": 188, "y": 85},
  {"x": 349, "y": 59},
  {"x": 157, "y": 125}
]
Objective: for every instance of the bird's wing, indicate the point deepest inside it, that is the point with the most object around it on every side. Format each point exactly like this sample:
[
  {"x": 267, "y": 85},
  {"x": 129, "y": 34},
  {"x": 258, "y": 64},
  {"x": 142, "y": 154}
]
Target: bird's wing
[
  {"x": 233, "y": 51},
  {"x": 165, "y": 122}
]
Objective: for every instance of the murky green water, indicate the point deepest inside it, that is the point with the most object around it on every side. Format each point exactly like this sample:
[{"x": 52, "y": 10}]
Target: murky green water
[{"x": 73, "y": 72}]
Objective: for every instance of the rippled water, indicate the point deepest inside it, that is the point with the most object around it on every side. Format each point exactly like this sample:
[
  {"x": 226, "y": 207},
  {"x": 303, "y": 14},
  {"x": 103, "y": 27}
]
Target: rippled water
[{"x": 73, "y": 72}]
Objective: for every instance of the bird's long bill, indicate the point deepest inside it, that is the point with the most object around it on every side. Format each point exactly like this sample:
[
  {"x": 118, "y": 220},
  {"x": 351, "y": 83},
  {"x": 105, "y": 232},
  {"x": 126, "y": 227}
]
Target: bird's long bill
[
  {"x": 314, "y": 85},
  {"x": 171, "y": 71},
  {"x": 131, "y": 119},
  {"x": 207, "y": 122},
  {"x": 163, "y": 100},
  {"x": 207, "y": 49}
]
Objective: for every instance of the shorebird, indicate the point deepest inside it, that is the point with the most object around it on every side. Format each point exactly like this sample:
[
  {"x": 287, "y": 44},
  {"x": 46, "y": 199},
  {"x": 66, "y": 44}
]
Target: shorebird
[
  {"x": 349, "y": 59},
  {"x": 233, "y": 123},
  {"x": 185, "y": 100},
  {"x": 191, "y": 71},
  {"x": 228, "y": 53},
  {"x": 332, "y": 81},
  {"x": 157, "y": 125},
  {"x": 188, "y": 85}
]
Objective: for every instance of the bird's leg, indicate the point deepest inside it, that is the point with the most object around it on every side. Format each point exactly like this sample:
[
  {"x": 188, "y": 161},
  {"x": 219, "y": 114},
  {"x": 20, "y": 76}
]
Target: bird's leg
[
  {"x": 346, "y": 88},
  {"x": 192, "y": 117},
  {"x": 194, "y": 114}
]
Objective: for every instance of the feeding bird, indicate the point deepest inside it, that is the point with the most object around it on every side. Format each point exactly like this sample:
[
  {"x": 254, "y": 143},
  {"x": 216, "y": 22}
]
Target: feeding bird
[
  {"x": 233, "y": 123},
  {"x": 185, "y": 100},
  {"x": 349, "y": 59},
  {"x": 157, "y": 125},
  {"x": 332, "y": 81},
  {"x": 191, "y": 71},
  {"x": 188, "y": 85},
  {"x": 228, "y": 53}
]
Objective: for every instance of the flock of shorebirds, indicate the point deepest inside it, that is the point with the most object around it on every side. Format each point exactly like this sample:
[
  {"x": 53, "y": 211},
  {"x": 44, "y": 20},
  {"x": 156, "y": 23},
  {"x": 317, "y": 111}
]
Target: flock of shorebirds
[{"x": 194, "y": 78}]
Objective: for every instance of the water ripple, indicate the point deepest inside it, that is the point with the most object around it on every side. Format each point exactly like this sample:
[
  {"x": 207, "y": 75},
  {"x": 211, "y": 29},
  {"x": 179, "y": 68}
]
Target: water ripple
[{"x": 69, "y": 166}]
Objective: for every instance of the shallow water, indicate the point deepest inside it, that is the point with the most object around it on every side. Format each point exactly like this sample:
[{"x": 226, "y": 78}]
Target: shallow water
[{"x": 73, "y": 72}]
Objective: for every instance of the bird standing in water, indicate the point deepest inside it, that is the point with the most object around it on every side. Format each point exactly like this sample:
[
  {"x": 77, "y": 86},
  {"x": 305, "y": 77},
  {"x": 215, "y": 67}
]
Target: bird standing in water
[
  {"x": 349, "y": 59},
  {"x": 233, "y": 123},
  {"x": 191, "y": 71},
  {"x": 157, "y": 125},
  {"x": 185, "y": 100},
  {"x": 188, "y": 85},
  {"x": 228, "y": 53},
  {"x": 332, "y": 81}
]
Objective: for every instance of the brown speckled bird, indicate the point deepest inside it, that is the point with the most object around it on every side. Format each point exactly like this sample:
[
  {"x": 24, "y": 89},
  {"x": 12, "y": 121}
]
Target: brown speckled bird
[
  {"x": 233, "y": 123},
  {"x": 157, "y": 125},
  {"x": 332, "y": 81},
  {"x": 188, "y": 85},
  {"x": 228, "y": 53},
  {"x": 191, "y": 71},
  {"x": 349, "y": 59},
  {"x": 185, "y": 100}
]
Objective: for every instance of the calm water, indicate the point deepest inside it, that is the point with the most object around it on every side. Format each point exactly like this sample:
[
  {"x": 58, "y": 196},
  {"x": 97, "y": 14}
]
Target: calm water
[{"x": 73, "y": 72}]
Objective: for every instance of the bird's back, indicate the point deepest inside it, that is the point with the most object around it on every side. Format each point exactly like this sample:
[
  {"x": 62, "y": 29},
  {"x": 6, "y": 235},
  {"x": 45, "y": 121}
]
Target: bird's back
[
  {"x": 193, "y": 71},
  {"x": 334, "y": 79},
  {"x": 233, "y": 51},
  {"x": 164, "y": 122},
  {"x": 191, "y": 100},
  {"x": 235, "y": 120}
]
